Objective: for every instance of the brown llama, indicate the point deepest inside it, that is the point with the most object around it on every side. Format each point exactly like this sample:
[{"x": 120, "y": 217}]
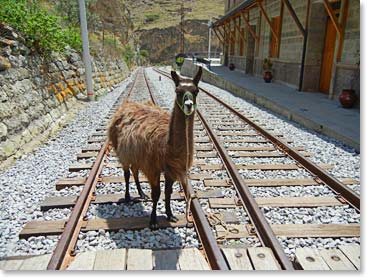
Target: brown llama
[{"x": 147, "y": 138}]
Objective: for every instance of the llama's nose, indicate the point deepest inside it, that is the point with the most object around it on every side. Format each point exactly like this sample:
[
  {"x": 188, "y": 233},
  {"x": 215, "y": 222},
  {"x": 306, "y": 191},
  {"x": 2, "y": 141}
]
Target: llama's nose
[{"x": 188, "y": 103}]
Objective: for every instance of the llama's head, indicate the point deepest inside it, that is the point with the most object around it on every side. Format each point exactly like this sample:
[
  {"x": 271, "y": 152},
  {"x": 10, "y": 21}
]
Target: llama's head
[{"x": 187, "y": 91}]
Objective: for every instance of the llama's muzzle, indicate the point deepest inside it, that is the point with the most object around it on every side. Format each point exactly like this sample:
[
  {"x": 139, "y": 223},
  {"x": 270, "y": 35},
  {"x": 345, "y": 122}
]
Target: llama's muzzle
[{"x": 189, "y": 105}]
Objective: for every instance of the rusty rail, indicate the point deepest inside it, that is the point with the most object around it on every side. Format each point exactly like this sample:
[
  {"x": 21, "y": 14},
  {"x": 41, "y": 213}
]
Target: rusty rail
[
  {"x": 338, "y": 187},
  {"x": 266, "y": 235},
  {"x": 64, "y": 250}
]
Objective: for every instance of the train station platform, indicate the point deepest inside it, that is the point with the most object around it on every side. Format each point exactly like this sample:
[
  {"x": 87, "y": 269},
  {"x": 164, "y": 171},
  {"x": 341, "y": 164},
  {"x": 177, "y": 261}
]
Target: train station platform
[{"x": 312, "y": 110}]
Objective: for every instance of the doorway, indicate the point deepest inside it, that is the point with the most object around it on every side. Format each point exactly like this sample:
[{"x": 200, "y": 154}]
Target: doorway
[
  {"x": 328, "y": 57},
  {"x": 250, "y": 51}
]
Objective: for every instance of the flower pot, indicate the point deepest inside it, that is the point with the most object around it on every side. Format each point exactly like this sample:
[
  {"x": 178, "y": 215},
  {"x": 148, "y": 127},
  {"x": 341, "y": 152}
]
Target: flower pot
[
  {"x": 231, "y": 66},
  {"x": 268, "y": 76},
  {"x": 347, "y": 98}
]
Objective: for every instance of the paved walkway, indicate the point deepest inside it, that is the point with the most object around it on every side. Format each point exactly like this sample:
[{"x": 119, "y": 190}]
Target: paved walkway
[{"x": 311, "y": 109}]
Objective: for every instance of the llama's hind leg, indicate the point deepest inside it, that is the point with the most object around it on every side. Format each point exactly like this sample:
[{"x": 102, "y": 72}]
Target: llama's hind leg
[
  {"x": 136, "y": 178},
  {"x": 167, "y": 199},
  {"x": 127, "y": 180},
  {"x": 156, "y": 192}
]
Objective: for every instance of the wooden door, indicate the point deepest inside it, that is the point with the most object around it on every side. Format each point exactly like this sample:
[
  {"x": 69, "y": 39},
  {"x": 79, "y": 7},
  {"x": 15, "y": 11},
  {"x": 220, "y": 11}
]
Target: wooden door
[
  {"x": 242, "y": 41},
  {"x": 250, "y": 52},
  {"x": 274, "y": 44},
  {"x": 232, "y": 41},
  {"x": 328, "y": 57}
]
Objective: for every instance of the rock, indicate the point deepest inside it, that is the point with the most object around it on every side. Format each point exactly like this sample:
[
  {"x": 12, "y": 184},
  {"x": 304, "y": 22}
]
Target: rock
[
  {"x": 4, "y": 64},
  {"x": 3, "y": 131}
]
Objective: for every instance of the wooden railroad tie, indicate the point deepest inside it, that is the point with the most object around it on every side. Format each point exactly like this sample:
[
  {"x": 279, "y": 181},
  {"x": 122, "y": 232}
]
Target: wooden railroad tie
[
  {"x": 294, "y": 230},
  {"x": 69, "y": 201},
  {"x": 56, "y": 227},
  {"x": 262, "y": 167},
  {"x": 345, "y": 257},
  {"x": 282, "y": 202}
]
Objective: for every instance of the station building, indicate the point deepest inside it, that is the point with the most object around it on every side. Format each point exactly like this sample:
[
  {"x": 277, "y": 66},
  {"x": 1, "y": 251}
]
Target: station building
[{"x": 313, "y": 44}]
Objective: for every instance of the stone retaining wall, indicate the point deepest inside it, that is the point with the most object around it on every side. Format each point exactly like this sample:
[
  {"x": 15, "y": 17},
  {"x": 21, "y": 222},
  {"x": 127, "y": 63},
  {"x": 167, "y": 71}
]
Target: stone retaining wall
[{"x": 38, "y": 95}]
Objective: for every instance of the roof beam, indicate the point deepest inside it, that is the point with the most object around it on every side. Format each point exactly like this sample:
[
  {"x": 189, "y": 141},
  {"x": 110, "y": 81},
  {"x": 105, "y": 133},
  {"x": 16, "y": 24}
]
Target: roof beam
[
  {"x": 294, "y": 16},
  {"x": 239, "y": 30},
  {"x": 217, "y": 35},
  {"x": 333, "y": 18},
  {"x": 259, "y": 3},
  {"x": 249, "y": 27},
  {"x": 344, "y": 14}
]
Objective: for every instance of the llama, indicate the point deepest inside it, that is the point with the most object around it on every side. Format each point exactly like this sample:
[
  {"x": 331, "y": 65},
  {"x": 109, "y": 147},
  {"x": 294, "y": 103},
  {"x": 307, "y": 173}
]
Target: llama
[{"x": 147, "y": 138}]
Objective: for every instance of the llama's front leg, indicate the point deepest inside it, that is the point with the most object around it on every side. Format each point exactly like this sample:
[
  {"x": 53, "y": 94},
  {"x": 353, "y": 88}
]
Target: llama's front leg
[
  {"x": 167, "y": 199},
  {"x": 156, "y": 192},
  {"x": 136, "y": 178},
  {"x": 127, "y": 180}
]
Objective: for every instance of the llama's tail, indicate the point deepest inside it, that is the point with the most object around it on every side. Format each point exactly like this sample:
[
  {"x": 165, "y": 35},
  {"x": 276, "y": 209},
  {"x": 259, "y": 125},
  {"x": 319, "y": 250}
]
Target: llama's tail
[{"x": 112, "y": 132}]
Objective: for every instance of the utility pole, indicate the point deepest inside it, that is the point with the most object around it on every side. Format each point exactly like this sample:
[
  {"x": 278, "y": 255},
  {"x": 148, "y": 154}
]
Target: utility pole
[
  {"x": 210, "y": 37},
  {"x": 86, "y": 54},
  {"x": 182, "y": 34}
]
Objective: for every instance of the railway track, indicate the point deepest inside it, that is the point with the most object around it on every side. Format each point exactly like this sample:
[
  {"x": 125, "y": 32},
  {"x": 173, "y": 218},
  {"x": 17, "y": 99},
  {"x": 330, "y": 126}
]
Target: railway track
[
  {"x": 224, "y": 212},
  {"x": 227, "y": 127}
]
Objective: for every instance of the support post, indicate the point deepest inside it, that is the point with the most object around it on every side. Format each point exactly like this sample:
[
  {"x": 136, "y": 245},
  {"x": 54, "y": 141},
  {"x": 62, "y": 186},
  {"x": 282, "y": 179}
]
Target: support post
[
  {"x": 86, "y": 54},
  {"x": 210, "y": 38}
]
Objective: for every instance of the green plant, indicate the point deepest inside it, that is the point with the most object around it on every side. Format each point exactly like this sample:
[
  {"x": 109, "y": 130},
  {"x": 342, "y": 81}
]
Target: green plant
[
  {"x": 128, "y": 54},
  {"x": 144, "y": 53},
  {"x": 267, "y": 65},
  {"x": 43, "y": 33},
  {"x": 151, "y": 17}
]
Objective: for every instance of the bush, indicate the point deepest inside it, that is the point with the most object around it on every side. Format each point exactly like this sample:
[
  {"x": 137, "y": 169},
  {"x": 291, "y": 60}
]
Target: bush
[
  {"x": 43, "y": 32},
  {"x": 128, "y": 55},
  {"x": 151, "y": 17}
]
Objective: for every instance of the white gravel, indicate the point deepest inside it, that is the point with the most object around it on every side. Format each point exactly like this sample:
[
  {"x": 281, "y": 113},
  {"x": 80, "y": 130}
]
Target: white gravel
[
  {"x": 33, "y": 177},
  {"x": 345, "y": 162},
  {"x": 36, "y": 174}
]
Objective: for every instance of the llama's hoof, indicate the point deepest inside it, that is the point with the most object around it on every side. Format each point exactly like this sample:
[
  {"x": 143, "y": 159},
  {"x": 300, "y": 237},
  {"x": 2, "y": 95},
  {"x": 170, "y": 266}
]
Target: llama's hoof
[
  {"x": 153, "y": 225},
  {"x": 143, "y": 196},
  {"x": 127, "y": 199},
  {"x": 172, "y": 218}
]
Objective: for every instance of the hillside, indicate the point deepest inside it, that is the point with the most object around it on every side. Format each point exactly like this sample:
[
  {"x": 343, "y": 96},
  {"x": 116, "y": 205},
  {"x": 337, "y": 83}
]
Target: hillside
[
  {"x": 147, "y": 14},
  {"x": 156, "y": 24}
]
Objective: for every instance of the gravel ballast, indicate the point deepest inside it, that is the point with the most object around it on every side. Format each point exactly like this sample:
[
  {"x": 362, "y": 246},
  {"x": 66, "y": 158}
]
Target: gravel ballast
[{"x": 32, "y": 178}]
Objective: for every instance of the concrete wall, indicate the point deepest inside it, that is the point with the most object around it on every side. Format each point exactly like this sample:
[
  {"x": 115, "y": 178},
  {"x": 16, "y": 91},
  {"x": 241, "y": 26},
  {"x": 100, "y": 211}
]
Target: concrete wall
[
  {"x": 38, "y": 96},
  {"x": 286, "y": 67}
]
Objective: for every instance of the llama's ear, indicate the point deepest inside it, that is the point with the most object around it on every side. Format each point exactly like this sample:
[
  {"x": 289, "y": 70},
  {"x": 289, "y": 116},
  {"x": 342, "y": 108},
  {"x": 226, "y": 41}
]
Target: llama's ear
[
  {"x": 198, "y": 76},
  {"x": 175, "y": 78}
]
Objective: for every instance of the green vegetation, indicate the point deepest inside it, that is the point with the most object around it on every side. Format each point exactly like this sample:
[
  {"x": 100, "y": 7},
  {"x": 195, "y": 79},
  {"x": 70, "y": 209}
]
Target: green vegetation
[
  {"x": 43, "y": 32},
  {"x": 151, "y": 17},
  {"x": 69, "y": 11},
  {"x": 128, "y": 55}
]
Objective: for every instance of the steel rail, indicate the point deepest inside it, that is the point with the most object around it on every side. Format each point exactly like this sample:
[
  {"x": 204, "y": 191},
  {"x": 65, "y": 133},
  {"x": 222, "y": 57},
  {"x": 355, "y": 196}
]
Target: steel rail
[
  {"x": 338, "y": 187},
  {"x": 343, "y": 190},
  {"x": 266, "y": 234},
  {"x": 65, "y": 247},
  {"x": 264, "y": 231},
  {"x": 209, "y": 242},
  {"x": 75, "y": 221}
]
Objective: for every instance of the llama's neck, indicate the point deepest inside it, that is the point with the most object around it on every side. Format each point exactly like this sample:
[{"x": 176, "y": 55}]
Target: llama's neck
[{"x": 180, "y": 138}]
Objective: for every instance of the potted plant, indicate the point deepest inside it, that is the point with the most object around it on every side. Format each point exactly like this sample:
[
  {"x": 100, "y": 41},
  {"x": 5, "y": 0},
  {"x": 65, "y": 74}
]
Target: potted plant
[
  {"x": 267, "y": 65},
  {"x": 348, "y": 96},
  {"x": 231, "y": 66}
]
